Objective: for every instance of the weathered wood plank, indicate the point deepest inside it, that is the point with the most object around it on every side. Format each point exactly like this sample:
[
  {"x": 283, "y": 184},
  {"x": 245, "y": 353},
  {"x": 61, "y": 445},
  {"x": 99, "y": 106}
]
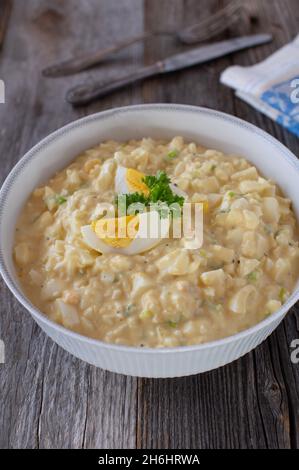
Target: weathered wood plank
[
  {"x": 5, "y": 9},
  {"x": 252, "y": 403},
  {"x": 48, "y": 398}
]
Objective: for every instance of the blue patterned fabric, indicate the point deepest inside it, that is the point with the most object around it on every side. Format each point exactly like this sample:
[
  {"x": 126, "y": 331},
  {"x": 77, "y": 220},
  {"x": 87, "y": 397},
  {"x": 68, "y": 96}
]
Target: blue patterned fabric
[
  {"x": 270, "y": 86},
  {"x": 284, "y": 98}
]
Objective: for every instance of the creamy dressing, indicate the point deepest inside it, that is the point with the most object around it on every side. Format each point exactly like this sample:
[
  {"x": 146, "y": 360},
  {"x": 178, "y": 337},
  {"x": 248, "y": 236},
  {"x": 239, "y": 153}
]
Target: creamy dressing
[{"x": 167, "y": 296}]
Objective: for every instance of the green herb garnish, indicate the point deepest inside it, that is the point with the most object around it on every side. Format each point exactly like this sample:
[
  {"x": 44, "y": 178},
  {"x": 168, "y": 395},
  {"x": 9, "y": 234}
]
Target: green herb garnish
[
  {"x": 160, "y": 195},
  {"x": 60, "y": 199},
  {"x": 145, "y": 314},
  {"x": 252, "y": 277},
  {"x": 231, "y": 194},
  {"x": 173, "y": 154},
  {"x": 160, "y": 189},
  {"x": 172, "y": 324},
  {"x": 282, "y": 294}
]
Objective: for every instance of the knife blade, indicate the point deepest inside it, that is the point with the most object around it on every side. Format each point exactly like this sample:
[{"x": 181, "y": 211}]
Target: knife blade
[
  {"x": 85, "y": 93},
  {"x": 212, "y": 51}
]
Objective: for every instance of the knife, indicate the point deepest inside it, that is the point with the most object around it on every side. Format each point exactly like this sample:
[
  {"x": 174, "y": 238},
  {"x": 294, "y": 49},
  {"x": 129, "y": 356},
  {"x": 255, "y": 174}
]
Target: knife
[{"x": 85, "y": 93}]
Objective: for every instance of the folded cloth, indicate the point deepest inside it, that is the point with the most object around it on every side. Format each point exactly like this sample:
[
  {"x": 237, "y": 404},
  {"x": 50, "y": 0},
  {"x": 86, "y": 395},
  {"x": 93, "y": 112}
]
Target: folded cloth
[{"x": 271, "y": 86}]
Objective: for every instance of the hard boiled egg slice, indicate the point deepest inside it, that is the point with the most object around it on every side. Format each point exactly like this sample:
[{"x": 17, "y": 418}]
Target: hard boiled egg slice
[
  {"x": 129, "y": 235},
  {"x": 176, "y": 190},
  {"x": 128, "y": 180}
]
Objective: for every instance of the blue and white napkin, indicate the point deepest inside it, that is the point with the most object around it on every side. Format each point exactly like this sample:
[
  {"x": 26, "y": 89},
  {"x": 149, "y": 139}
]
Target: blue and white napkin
[{"x": 271, "y": 86}]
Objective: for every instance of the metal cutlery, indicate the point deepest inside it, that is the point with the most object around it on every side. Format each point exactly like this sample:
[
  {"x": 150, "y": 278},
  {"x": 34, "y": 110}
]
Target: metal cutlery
[
  {"x": 85, "y": 93},
  {"x": 205, "y": 29}
]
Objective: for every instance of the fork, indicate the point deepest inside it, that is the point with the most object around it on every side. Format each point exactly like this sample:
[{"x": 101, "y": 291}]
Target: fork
[{"x": 207, "y": 28}]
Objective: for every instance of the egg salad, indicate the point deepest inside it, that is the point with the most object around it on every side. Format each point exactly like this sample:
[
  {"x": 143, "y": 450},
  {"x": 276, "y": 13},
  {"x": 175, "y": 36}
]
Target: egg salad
[{"x": 87, "y": 257}]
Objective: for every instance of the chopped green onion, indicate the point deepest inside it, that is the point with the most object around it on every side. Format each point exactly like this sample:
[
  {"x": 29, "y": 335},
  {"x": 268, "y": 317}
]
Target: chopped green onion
[
  {"x": 213, "y": 167},
  {"x": 203, "y": 253},
  {"x": 145, "y": 314},
  {"x": 172, "y": 154},
  {"x": 282, "y": 294},
  {"x": 231, "y": 194},
  {"x": 252, "y": 277},
  {"x": 172, "y": 324},
  {"x": 60, "y": 199}
]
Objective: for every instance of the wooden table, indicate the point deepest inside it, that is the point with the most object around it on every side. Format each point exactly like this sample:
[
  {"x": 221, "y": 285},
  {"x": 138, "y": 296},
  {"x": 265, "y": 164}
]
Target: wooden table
[{"x": 49, "y": 399}]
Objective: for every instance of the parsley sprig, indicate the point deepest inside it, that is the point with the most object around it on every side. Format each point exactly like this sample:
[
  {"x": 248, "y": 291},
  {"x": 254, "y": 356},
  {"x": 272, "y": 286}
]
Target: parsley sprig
[{"x": 160, "y": 192}]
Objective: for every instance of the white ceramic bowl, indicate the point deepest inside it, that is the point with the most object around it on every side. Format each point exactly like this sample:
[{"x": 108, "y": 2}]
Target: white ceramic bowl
[{"x": 211, "y": 128}]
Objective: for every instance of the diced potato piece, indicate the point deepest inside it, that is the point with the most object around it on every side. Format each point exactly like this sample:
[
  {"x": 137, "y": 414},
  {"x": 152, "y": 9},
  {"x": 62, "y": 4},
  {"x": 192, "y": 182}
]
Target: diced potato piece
[
  {"x": 69, "y": 314},
  {"x": 209, "y": 292},
  {"x": 182, "y": 183},
  {"x": 73, "y": 178},
  {"x": 71, "y": 297},
  {"x": 197, "y": 327},
  {"x": 222, "y": 254},
  {"x": 272, "y": 306},
  {"x": 234, "y": 218},
  {"x": 215, "y": 279},
  {"x": 44, "y": 221},
  {"x": 150, "y": 301},
  {"x": 284, "y": 236},
  {"x": 23, "y": 253},
  {"x": 253, "y": 245},
  {"x": 178, "y": 262},
  {"x": 281, "y": 269},
  {"x": 179, "y": 169},
  {"x": 248, "y": 174},
  {"x": 177, "y": 143},
  {"x": 120, "y": 263},
  {"x": 221, "y": 174},
  {"x": 214, "y": 199},
  {"x": 251, "y": 220},
  {"x": 284, "y": 205},
  {"x": 90, "y": 164},
  {"x": 141, "y": 283},
  {"x": 246, "y": 266},
  {"x": 241, "y": 301},
  {"x": 249, "y": 186},
  {"x": 49, "y": 198},
  {"x": 52, "y": 289},
  {"x": 234, "y": 237},
  {"x": 36, "y": 277},
  {"x": 106, "y": 175},
  {"x": 240, "y": 203},
  {"x": 238, "y": 217},
  {"x": 271, "y": 211},
  {"x": 59, "y": 246},
  {"x": 39, "y": 192},
  {"x": 268, "y": 264},
  {"x": 209, "y": 184}
]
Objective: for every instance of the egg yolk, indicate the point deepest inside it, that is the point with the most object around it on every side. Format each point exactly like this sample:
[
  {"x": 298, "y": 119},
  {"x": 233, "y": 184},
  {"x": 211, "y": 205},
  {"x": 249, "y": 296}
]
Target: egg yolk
[
  {"x": 134, "y": 181},
  {"x": 117, "y": 232}
]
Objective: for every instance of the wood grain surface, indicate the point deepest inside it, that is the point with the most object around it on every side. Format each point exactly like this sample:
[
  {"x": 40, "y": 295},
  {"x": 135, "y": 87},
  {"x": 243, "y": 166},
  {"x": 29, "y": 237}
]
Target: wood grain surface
[
  {"x": 5, "y": 9},
  {"x": 49, "y": 399}
]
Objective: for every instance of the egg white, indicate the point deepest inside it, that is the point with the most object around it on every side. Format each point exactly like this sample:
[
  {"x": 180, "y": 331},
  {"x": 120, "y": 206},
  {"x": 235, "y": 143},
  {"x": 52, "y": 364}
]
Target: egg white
[
  {"x": 152, "y": 229},
  {"x": 121, "y": 185}
]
